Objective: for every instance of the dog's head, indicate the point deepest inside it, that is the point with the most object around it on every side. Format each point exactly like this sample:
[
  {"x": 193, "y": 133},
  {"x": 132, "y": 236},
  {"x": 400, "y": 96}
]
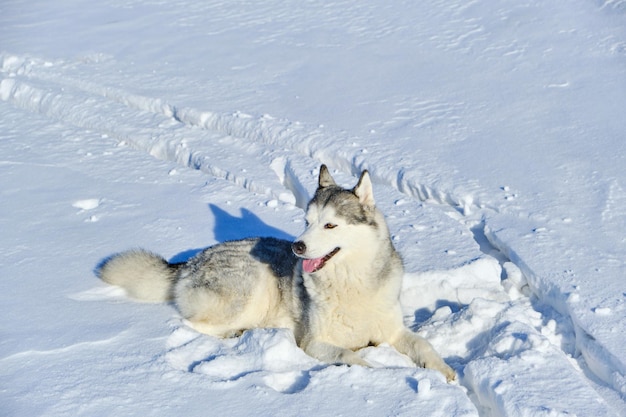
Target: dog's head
[{"x": 339, "y": 222}]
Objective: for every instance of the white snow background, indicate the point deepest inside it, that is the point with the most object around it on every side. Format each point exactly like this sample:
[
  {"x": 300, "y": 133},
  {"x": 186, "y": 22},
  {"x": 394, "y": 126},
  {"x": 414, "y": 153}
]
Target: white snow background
[{"x": 495, "y": 134}]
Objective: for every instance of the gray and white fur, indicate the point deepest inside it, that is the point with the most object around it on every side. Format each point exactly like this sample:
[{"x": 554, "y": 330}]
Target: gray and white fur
[{"x": 336, "y": 287}]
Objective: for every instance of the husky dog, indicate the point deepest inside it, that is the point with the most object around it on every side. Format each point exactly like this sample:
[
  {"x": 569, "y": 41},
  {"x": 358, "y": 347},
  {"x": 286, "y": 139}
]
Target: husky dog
[{"x": 336, "y": 287}]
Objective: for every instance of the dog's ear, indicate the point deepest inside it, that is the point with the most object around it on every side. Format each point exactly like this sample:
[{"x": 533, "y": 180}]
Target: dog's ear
[
  {"x": 364, "y": 191},
  {"x": 325, "y": 180}
]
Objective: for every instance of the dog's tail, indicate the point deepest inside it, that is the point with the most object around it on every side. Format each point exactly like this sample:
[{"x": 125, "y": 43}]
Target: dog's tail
[{"x": 144, "y": 275}]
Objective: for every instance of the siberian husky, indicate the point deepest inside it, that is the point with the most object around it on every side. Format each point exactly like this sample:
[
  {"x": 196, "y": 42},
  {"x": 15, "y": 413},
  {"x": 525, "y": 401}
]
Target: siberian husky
[{"x": 336, "y": 287}]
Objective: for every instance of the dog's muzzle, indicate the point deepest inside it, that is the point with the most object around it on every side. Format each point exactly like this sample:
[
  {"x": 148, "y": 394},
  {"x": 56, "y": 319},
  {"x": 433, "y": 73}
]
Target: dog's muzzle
[{"x": 310, "y": 265}]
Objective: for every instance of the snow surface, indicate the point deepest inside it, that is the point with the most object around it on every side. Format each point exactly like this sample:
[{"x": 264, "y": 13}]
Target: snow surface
[{"x": 494, "y": 133}]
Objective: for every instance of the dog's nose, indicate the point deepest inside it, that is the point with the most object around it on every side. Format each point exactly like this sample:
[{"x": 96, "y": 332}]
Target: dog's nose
[{"x": 298, "y": 247}]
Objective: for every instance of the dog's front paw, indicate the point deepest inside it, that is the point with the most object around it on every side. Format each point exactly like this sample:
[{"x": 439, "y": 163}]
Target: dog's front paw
[
  {"x": 349, "y": 357},
  {"x": 449, "y": 374},
  {"x": 441, "y": 366}
]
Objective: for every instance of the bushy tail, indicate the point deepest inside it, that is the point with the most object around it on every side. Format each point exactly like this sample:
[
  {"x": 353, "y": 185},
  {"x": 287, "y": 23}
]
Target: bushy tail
[{"x": 144, "y": 275}]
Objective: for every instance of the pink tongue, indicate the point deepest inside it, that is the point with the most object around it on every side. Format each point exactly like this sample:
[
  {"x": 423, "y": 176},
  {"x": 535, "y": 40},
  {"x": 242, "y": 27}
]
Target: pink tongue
[{"x": 310, "y": 265}]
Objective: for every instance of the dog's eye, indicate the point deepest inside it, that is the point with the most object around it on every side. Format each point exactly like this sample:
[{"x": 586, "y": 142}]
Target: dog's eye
[{"x": 329, "y": 226}]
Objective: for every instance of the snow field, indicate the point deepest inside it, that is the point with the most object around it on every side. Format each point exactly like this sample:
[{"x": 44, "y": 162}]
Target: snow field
[
  {"x": 492, "y": 135},
  {"x": 127, "y": 374},
  {"x": 466, "y": 301}
]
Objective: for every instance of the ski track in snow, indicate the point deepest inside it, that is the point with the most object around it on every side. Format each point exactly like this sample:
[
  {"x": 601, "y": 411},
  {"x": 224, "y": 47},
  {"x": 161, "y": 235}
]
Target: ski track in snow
[{"x": 288, "y": 155}]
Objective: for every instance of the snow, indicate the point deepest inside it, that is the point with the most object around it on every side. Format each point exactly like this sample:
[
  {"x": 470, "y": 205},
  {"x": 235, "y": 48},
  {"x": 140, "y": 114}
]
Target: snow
[{"x": 493, "y": 132}]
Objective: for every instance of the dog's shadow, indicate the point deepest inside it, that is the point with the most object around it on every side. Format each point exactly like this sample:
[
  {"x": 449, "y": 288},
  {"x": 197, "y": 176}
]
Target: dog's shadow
[{"x": 231, "y": 227}]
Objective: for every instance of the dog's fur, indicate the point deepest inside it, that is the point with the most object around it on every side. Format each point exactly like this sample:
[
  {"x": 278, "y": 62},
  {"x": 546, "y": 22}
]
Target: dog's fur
[{"x": 336, "y": 287}]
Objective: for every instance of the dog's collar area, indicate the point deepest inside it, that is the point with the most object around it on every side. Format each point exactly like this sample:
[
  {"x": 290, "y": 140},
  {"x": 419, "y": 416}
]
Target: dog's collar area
[{"x": 313, "y": 265}]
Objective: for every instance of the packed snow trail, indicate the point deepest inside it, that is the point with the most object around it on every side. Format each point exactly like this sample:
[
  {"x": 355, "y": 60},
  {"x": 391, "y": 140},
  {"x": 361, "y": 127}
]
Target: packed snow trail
[{"x": 36, "y": 85}]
